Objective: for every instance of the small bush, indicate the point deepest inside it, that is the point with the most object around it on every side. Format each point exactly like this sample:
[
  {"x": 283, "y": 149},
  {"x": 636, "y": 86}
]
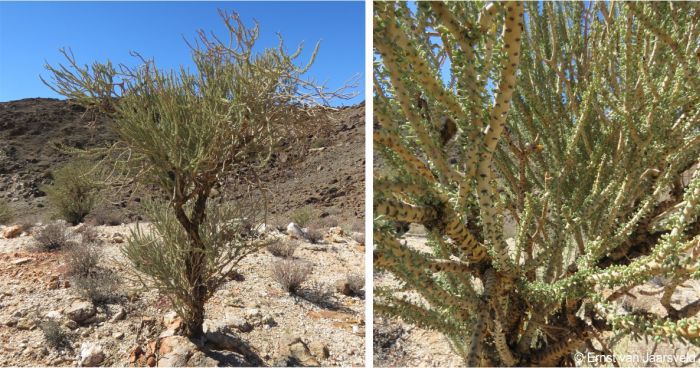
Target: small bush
[
  {"x": 6, "y": 213},
  {"x": 88, "y": 234},
  {"x": 104, "y": 216},
  {"x": 356, "y": 283},
  {"x": 73, "y": 193},
  {"x": 301, "y": 216},
  {"x": 82, "y": 259},
  {"x": 290, "y": 274},
  {"x": 53, "y": 334},
  {"x": 99, "y": 286},
  {"x": 314, "y": 235},
  {"x": 282, "y": 249},
  {"x": 320, "y": 294},
  {"x": 52, "y": 236},
  {"x": 358, "y": 237}
]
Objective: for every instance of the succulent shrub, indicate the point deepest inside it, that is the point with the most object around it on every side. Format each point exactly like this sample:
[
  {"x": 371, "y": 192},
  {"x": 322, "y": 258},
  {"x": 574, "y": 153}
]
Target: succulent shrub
[
  {"x": 181, "y": 132},
  {"x": 74, "y": 191},
  {"x": 577, "y": 124}
]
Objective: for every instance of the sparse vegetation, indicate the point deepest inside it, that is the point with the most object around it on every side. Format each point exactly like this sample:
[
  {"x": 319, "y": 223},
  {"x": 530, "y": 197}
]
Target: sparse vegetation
[
  {"x": 54, "y": 334},
  {"x": 6, "y": 213},
  {"x": 290, "y": 274},
  {"x": 318, "y": 293},
  {"x": 82, "y": 258},
  {"x": 100, "y": 285},
  {"x": 52, "y": 237},
  {"x": 356, "y": 284},
  {"x": 283, "y": 248},
  {"x": 302, "y": 216},
  {"x": 314, "y": 235},
  {"x": 74, "y": 191}
]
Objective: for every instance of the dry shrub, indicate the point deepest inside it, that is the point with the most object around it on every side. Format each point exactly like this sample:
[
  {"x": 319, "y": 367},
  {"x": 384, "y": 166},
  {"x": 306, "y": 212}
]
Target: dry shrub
[
  {"x": 88, "y": 234},
  {"x": 53, "y": 334},
  {"x": 358, "y": 237},
  {"x": 314, "y": 235},
  {"x": 282, "y": 249},
  {"x": 52, "y": 236},
  {"x": 320, "y": 294},
  {"x": 356, "y": 283},
  {"x": 104, "y": 216},
  {"x": 290, "y": 274},
  {"x": 82, "y": 259},
  {"x": 99, "y": 286}
]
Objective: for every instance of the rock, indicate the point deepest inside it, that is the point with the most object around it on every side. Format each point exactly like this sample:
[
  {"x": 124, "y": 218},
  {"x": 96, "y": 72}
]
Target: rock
[
  {"x": 12, "y": 231},
  {"x": 71, "y": 324},
  {"x": 117, "y": 238},
  {"x": 343, "y": 287},
  {"x": 20, "y": 261},
  {"x": 118, "y": 335},
  {"x": 299, "y": 352},
  {"x": 334, "y": 235},
  {"x": 25, "y": 324},
  {"x": 296, "y": 232},
  {"x": 199, "y": 359},
  {"x": 53, "y": 285},
  {"x": 53, "y": 315},
  {"x": 175, "y": 351},
  {"x": 221, "y": 337},
  {"x": 240, "y": 324},
  {"x": 80, "y": 311},
  {"x": 120, "y": 315},
  {"x": 319, "y": 350},
  {"x": 91, "y": 354}
]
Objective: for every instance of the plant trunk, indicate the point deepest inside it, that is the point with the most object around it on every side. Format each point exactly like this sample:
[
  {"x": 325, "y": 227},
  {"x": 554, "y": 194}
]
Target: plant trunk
[{"x": 194, "y": 264}]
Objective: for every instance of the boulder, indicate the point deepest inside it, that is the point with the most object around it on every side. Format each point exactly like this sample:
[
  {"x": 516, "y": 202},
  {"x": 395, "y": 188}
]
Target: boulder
[
  {"x": 296, "y": 232},
  {"x": 175, "y": 351},
  {"x": 80, "y": 311},
  {"x": 91, "y": 354},
  {"x": 12, "y": 231}
]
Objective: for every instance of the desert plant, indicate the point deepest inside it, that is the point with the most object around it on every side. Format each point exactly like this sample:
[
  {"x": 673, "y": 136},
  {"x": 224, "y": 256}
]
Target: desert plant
[
  {"x": 74, "y": 191},
  {"x": 284, "y": 249},
  {"x": 183, "y": 131},
  {"x": 314, "y": 235},
  {"x": 302, "y": 216},
  {"x": 356, "y": 284},
  {"x": 52, "y": 236},
  {"x": 6, "y": 213},
  {"x": 100, "y": 285},
  {"x": 290, "y": 274},
  {"x": 54, "y": 334},
  {"x": 82, "y": 258},
  {"x": 571, "y": 123}
]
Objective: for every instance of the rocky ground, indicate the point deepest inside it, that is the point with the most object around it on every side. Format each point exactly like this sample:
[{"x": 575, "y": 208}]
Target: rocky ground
[
  {"x": 397, "y": 344},
  {"x": 250, "y": 321}
]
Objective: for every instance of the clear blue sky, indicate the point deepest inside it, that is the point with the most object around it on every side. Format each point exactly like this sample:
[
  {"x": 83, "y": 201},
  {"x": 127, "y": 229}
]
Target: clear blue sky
[{"x": 32, "y": 32}]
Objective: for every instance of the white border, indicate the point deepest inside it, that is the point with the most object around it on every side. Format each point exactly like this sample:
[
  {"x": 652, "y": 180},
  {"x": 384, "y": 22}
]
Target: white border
[{"x": 369, "y": 213}]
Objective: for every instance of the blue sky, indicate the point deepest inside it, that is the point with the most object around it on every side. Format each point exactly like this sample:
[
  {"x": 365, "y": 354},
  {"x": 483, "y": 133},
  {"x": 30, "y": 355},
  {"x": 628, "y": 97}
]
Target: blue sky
[{"x": 32, "y": 32}]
